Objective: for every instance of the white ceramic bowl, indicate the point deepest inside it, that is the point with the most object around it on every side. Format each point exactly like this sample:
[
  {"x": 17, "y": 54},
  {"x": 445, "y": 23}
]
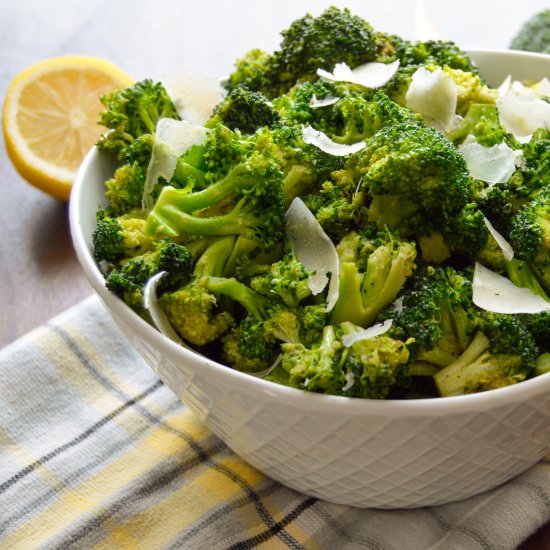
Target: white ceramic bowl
[{"x": 367, "y": 453}]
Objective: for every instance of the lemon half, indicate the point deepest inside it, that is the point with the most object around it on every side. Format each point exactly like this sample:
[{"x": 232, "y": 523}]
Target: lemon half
[{"x": 50, "y": 117}]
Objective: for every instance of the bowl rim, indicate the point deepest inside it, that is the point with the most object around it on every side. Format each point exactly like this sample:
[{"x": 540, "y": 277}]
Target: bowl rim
[{"x": 350, "y": 406}]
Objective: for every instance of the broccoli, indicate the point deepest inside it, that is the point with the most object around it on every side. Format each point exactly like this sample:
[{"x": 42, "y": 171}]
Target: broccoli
[
  {"x": 436, "y": 183},
  {"x": 257, "y": 213},
  {"x": 501, "y": 353},
  {"x": 285, "y": 280},
  {"x": 372, "y": 272},
  {"x": 310, "y": 43},
  {"x": 534, "y": 34},
  {"x": 435, "y": 52},
  {"x": 481, "y": 121},
  {"x": 125, "y": 189},
  {"x": 245, "y": 110},
  {"x": 406, "y": 217},
  {"x": 530, "y": 236},
  {"x": 193, "y": 310},
  {"x": 120, "y": 237},
  {"x": 368, "y": 368},
  {"x": 129, "y": 277},
  {"x": 132, "y": 112},
  {"x": 437, "y": 313}
]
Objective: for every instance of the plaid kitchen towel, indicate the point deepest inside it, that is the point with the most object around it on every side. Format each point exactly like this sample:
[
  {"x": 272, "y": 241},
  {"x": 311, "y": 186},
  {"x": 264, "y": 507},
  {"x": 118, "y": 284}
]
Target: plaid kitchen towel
[{"x": 95, "y": 452}]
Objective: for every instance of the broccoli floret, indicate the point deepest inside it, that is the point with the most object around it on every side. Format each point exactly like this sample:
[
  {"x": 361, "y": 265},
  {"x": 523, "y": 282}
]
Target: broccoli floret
[
  {"x": 362, "y": 115},
  {"x": 481, "y": 121},
  {"x": 132, "y": 112},
  {"x": 471, "y": 90},
  {"x": 198, "y": 310},
  {"x": 125, "y": 189},
  {"x": 255, "y": 211},
  {"x": 437, "y": 313},
  {"x": 436, "y": 52},
  {"x": 129, "y": 277},
  {"x": 245, "y": 110},
  {"x": 534, "y": 34},
  {"x": 286, "y": 280},
  {"x": 435, "y": 187},
  {"x": 120, "y": 237},
  {"x": 530, "y": 237},
  {"x": 255, "y": 342},
  {"x": 368, "y": 368},
  {"x": 310, "y": 43},
  {"x": 295, "y": 107},
  {"x": 372, "y": 272},
  {"x": 140, "y": 151},
  {"x": 502, "y": 353}
]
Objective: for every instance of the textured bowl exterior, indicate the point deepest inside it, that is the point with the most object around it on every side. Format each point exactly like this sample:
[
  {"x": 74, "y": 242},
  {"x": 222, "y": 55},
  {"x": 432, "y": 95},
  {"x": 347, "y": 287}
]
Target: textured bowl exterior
[{"x": 383, "y": 454}]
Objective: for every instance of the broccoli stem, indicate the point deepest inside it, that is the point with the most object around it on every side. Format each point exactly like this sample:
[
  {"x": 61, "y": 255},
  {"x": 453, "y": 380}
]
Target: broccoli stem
[
  {"x": 170, "y": 221},
  {"x": 253, "y": 302},
  {"x": 452, "y": 379},
  {"x": 237, "y": 180},
  {"x": 213, "y": 260}
]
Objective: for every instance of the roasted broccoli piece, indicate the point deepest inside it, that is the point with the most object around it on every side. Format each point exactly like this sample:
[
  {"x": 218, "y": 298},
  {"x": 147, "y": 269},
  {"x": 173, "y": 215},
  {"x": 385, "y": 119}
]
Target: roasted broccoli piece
[
  {"x": 368, "y": 368},
  {"x": 502, "y": 353},
  {"x": 310, "y": 43},
  {"x": 372, "y": 272},
  {"x": 129, "y": 277},
  {"x": 125, "y": 189},
  {"x": 435, "y": 187},
  {"x": 245, "y": 110},
  {"x": 437, "y": 313},
  {"x": 120, "y": 237},
  {"x": 255, "y": 209},
  {"x": 530, "y": 236},
  {"x": 132, "y": 112}
]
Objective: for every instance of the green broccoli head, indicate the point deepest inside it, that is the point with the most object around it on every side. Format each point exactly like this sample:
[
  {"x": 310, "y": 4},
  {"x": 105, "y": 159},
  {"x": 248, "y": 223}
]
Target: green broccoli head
[
  {"x": 125, "y": 189},
  {"x": 132, "y": 112},
  {"x": 120, "y": 237},
  {"x": 372, "y": 277},
  {"x": 310, "y": 43},
  {"x": 530, "y": 236},
  {"x": 436, "y": 52},
  {"x": 128, "y": 278},
  {"x": 369, "y": 368},
  {"x": 534, "y": 34},
  {"x": 245, "y": 110},
  {"x": 195, "y": 314},
  {"x": 286, "y": 280},
  {"x": 435, "y": 187},
  {"x": 437, "y": 313},
  {"x": 503, "y": 352}
]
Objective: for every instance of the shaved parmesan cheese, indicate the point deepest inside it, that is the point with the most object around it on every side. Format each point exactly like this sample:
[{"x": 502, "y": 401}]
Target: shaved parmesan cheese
[
  {"x": 424, "y": 27},
  {"x": 350, "y": 381},
  {"x": 505, "y": 86},
  {"x": 323, "y": 142},
  {"x": 376, "y": 330},
  {"x": 521, "y": 112},
  {"x": 194, "y": 95},
  {"x": 496, "y": 293},
  {"x": 433, "y": 94},
  {"x": 505, "y": 246},
  {"x": 325, "y": 102},
  {"x": 369, "y": 75},
  {"x": 543, "y": 88},
  {"x": 314, "y": 250},
  {"x": 491, "y": 164},
  {"x": 172, "y": 139}
]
